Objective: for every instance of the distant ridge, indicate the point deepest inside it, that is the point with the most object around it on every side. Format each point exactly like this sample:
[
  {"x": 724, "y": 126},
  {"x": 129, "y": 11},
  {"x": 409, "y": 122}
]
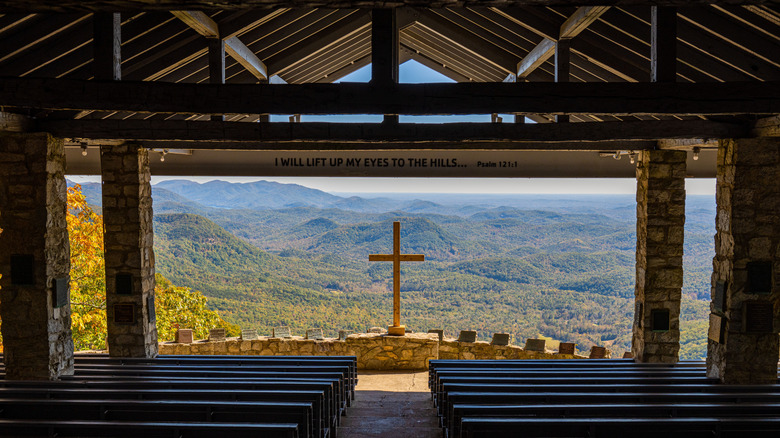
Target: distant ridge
[{"x": 253, "y": 195}]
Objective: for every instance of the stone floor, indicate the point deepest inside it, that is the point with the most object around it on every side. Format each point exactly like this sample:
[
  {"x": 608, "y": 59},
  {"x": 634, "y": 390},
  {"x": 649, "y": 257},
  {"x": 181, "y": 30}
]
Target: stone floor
[{"x": 391, "y": 405}]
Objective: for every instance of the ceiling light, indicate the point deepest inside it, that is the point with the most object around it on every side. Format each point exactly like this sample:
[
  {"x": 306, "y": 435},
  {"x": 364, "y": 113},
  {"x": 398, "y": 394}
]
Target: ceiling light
[
  {"x": 696, "y": 151},
  {"x": 83, "y": 149}
]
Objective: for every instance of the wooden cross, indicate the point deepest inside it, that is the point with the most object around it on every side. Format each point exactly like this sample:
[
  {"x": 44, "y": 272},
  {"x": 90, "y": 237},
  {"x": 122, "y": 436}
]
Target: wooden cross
[{"x": 396, "y": 257}]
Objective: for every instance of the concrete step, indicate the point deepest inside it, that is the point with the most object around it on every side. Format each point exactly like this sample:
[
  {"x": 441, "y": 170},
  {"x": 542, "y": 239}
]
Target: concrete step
[{"x": 379, "y": 432}]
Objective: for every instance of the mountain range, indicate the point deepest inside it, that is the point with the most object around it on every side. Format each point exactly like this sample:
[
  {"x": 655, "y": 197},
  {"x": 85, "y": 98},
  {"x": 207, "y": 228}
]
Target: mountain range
[{"x": 269, "y": 254}]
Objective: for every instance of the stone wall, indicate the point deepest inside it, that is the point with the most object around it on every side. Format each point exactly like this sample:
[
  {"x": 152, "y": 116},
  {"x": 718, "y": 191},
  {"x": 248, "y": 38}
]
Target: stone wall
[
  {"x": 452, "y": 349},
  {"x": 33, "y": 201},
  {"x": 660, "y": 214},
  {"x": 748, "y": 233},
  {"x": 373, "y": 351},
  {"x": 129, "y": 252}
]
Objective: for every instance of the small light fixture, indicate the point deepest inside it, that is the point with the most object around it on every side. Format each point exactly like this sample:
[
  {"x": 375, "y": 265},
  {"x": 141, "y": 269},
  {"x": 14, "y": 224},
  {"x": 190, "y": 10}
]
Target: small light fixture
[
  {"x": 696, "y": 151},
  {"x": 163, "y": 154},
  {"x": 83, "y": 149},
  {"x": 632, "y": 157},
  {"x": 617, "y": 155}
]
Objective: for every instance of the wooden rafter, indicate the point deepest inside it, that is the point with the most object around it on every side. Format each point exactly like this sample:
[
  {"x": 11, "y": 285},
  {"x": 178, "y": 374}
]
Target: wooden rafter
[
  {"x": 171, "y": 5},
  {"x": 361, "y": 134},
  {"x": 204, "y": 25},
  {"x": 415, "y": 99},
  {"x": 573, "y": 26}
]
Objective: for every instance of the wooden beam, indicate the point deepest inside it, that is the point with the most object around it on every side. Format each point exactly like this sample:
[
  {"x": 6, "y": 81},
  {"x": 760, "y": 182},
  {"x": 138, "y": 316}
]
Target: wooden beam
[
  {"x": 246, "y": 57},
  {"x": 572, "y": 27},
  {"x": 241, "y": 22},
  {"x": 414, "y": 99},
  {"x": 594, "y": 146},
  {"x": 580, "y": 20},
  {"x": 107, "y": 46},
  {"x": 216, "y": 61},
  {"x": 687, "y": 144},
  {"x": 663, "y": 44},
  {"x": 217, "y": 67},
  {"x": 562, "y": 69},
  {"x": 204, "y": 25},
  {"x": 171, "y": 5},
  {"x": 384, "y": 48},
  {"x": 535, "y": 58},
  {"x": 383, "y": 134}
]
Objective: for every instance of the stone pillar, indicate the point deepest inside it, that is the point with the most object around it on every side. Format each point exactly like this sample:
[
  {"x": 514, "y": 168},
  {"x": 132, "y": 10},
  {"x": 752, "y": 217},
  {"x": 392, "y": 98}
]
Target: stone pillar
[
  {"x": 660, "y": 222},
  {"x": 745, "y": 319},
  {"x": 127, "y": 215},
  {"x": 34, "y": 258}
]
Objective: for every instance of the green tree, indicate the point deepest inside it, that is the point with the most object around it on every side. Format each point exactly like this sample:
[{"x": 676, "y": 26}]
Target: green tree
[{"x": 176, "y": 306}]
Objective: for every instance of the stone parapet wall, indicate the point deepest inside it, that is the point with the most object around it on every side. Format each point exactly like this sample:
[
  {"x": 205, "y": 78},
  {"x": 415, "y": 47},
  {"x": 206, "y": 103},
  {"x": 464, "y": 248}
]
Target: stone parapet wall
[
  {"x": 452, "y": 349},
  {"x": 373, "y": 351}
]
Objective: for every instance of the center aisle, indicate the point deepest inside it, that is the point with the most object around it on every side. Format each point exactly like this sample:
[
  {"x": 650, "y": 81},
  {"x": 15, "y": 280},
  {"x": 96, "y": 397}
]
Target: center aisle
[{"x": 392, "y": 405}]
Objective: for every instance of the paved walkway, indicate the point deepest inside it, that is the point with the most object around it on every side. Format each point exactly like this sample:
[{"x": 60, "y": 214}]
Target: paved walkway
[{"x": 391, "y": 405}]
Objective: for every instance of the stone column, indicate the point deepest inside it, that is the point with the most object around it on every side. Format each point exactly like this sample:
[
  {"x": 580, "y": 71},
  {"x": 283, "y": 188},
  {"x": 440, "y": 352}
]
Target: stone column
[
  {"x": 129, "y": 236},
  {"x": 745, "y": 319},
  {"x": 34, "y": 258},
  {"x": 660, "y": 222}
]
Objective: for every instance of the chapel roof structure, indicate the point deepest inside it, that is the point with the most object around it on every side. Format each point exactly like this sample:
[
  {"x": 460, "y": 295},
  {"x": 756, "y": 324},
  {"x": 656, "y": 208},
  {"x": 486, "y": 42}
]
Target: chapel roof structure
[{"x": 718, "y": 74}]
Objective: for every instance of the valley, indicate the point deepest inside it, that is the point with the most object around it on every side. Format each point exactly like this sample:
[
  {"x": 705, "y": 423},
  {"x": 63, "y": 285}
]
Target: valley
[{"x": 269, "y": 254}]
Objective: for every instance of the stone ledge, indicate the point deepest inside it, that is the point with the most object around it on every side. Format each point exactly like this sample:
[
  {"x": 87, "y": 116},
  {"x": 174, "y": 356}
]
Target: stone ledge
[{"x": 373, "y": 351}]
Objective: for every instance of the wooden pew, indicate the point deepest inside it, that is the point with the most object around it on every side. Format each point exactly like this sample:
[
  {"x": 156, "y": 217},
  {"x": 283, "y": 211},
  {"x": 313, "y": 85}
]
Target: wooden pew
[
  {"x": 336, "y": 378},
  {"x": 726, "y": 427},
  {"x": 300, "y": 413},
  {"x": 222, "y": 361},
  {"x": 185, "y": 385},
  {"x": 315, "y": 398},
  {"x": 552, "y": 376},
  {"x": 323, "y": 422},
  {"x": 52, "y": 428},
  {"x": 610, "y": 410}
]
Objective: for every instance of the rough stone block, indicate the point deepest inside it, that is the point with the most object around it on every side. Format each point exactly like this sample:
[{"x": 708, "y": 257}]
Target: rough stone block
[
  {"x": 184, "y": 336},
  {"x": 439, "y": 332},
  {"x": 535, "y": 344},
  {"x": 567, "y": 348},
  {"x": 249, "y": 334},
  {"x": 500, "y": 339},
  {"x": 467, "y": 336},
  {"x": 217, "y": 335},
  {"x": 315, "y": 334},
  {"x": 281, "y": 332}
]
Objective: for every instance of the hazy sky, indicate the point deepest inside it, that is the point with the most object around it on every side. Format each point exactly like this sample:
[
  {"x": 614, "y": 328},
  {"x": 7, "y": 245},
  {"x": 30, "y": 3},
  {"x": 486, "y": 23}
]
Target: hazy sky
[
  {"x": 590, "y": 186},
  {"x": 413, "y": 72}
]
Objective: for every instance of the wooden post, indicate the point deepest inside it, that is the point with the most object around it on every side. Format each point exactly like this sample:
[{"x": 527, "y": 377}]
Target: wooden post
[
  {"x": 217, "y": 67},
  {"x": 562, "y": 68},
  {"x": 107, "y": 46},
  {"x": 384, "y": 52},
  {"x": 663, "y": 44}
]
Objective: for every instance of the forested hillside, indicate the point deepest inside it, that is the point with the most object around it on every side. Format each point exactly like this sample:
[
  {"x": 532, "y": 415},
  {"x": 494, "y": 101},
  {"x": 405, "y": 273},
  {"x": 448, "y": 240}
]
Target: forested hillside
[{"x": 529, "y": 266}]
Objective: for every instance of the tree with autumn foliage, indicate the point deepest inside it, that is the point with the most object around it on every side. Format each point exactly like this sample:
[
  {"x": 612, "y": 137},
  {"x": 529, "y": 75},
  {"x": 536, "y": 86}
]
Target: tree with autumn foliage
[
  {"x": 87, "y": 273},
  {"x": 176, "y": 307}
]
